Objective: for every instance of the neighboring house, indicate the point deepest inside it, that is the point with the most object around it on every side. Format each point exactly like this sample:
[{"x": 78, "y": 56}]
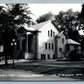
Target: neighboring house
[{"x": 72, "y": 45}]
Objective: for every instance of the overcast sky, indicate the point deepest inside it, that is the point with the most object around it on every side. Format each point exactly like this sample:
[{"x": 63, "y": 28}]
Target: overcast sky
[{"x": 40, "y": 9}]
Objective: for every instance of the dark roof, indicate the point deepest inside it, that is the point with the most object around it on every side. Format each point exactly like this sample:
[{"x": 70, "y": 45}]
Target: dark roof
[{"x": 54, "y": 23}]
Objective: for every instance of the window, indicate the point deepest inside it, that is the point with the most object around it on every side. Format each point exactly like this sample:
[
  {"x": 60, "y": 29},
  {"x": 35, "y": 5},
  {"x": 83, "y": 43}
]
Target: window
[
  {"x": 54, "y": 56},
  {"x": 51, "y": 33},
  {"x": 43, "y": 56},
  {"x": 52, "y": 46},
  {"x": 48, "y": 33},
  {"x": 49, "y": 45},
  {"x": 48, "y": 56},
  {"x": 45, "y": 45},
  {"x": 62, "y": 40},
  {"x": 60, "y": 49}
]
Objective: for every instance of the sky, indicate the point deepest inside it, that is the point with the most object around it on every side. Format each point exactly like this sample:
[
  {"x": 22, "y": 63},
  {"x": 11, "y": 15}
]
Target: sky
[{"x": 40, "y": 9}]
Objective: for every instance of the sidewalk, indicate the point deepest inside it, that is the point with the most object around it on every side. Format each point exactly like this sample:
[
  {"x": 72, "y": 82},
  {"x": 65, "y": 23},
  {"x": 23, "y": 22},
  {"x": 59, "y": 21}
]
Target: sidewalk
[{"x": 22, "y": 75}]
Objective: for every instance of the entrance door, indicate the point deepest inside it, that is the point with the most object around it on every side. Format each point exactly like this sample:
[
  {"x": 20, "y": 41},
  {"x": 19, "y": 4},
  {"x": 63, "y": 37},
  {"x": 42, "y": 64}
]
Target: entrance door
[{"x": 43, "y": 56}]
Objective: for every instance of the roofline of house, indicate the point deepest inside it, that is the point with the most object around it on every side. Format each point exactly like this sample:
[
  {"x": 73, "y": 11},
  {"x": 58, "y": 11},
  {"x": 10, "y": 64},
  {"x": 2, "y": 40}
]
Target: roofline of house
[{"x": 53, "y": 22}]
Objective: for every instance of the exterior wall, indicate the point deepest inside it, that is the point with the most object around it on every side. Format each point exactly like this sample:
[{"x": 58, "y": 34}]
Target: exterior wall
[
  {"x": 44, "y": 38},
  {"x": 60, "y": 47}
]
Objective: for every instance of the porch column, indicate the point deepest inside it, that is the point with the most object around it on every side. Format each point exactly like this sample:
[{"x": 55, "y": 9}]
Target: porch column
[
  {"x": 36, "y": 45},
  {"x": 27, "y": 43},
  {"x": 26, "y": 53}
]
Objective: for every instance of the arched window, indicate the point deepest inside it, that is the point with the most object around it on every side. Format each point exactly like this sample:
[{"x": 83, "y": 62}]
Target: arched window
[
  {"x": 51, "y": 33},
  {"x": 48, "y": 33}
]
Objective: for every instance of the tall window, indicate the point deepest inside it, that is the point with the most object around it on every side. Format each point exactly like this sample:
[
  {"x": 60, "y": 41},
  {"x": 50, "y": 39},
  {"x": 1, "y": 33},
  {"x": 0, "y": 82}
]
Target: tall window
[
  {"x": 48, "y": 33},
  {"x": 49, "y": 45},
  {"x": 51, "y": 33},
  {"x": 45, "y": 45},
  {"x": 52, "y": 46}
]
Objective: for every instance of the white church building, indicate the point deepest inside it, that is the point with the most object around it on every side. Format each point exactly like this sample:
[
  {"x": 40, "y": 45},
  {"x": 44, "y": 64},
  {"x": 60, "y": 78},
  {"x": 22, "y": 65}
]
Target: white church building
[{"x": 44, "y": 41}]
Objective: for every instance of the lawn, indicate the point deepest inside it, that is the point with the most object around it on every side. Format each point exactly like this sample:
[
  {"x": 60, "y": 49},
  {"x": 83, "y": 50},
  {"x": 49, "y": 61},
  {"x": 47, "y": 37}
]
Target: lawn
[{"x": 72, "y": 70}]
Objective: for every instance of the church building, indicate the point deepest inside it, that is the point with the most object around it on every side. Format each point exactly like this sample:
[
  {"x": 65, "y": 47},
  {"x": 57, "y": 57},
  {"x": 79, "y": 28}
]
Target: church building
[{"x": 44, "y": 41}]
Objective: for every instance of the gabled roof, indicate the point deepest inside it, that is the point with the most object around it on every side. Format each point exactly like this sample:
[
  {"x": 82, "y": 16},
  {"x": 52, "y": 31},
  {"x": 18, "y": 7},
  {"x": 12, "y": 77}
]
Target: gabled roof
[
  {"x": 70, "y": 41},
  {"x": 39, "y": 25},
  {"x": 29, "y": 28}
]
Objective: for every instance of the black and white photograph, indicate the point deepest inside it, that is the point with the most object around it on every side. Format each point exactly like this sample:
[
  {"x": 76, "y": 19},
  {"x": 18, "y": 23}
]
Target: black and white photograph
[{"x": 42, "y": 42}]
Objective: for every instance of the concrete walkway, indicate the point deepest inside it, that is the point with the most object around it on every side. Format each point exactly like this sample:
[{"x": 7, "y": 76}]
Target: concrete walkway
[{"x": 21, "y": 75}]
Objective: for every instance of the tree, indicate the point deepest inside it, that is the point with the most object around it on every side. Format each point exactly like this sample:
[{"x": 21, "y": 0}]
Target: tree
[
  {"x": 44, "y": 17},
  {"x": 11, "y": 19},
  {"x": 69, "y": 22},
  {"x": 82, "y": 28}
]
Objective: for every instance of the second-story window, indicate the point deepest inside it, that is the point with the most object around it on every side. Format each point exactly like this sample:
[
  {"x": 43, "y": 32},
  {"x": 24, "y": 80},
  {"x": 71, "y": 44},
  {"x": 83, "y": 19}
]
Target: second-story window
[
  {"x": 51, "y": 33},
  {"x": 45, "y": 45},
  {"x": 48, "y": 33}
]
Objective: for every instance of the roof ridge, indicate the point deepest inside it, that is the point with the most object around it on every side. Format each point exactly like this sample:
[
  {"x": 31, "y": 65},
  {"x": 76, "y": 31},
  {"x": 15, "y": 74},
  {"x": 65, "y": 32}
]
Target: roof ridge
[
  {"x": 39, "y": 25},
  {"x": 71, "y": 41}
]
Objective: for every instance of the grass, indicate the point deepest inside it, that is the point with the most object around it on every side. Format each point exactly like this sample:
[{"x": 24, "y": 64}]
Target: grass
[{"x": 41, "y": 68}]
